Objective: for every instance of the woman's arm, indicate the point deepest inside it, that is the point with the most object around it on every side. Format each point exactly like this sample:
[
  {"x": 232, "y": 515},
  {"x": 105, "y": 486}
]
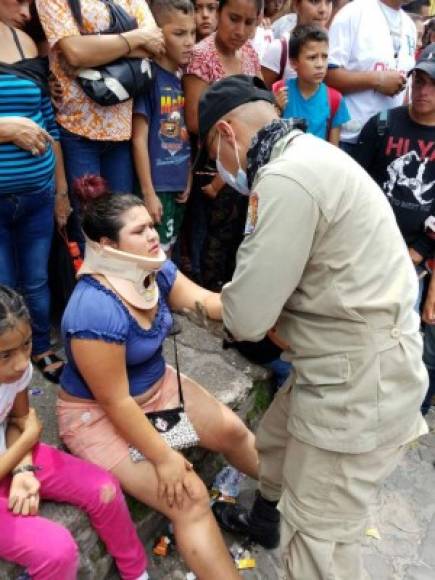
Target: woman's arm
[
  {"x": 24, "y": 133},
  {"x": 185, "y": 294},
  {"x": 98, "y": 49},
  {"x": 388, "y": 82},
  {"x": 193, "y": 88},
  {"x": 62, "y": 208},
  {"x": 334, "y": 136},
  {"x": 102, "y": 366},
  {"x": 142, "y": 166},
  {"x": 213, "y": 188}
]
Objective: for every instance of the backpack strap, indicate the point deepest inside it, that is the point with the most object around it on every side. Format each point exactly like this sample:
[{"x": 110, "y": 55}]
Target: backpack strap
[
  {"x": 382, "y": 122},
  {"x": 284, "y": 57},
  {"x": 277, "y": 86},
  {"x": 334, "y": 100}
]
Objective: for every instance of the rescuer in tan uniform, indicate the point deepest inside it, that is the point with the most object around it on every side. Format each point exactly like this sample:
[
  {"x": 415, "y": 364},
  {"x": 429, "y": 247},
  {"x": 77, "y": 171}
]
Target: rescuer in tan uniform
[{"x": 324, "y": 263}]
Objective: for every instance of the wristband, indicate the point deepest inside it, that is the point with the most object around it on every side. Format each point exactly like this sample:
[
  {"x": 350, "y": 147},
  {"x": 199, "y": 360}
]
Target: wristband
[
  {"x": 126, "y": 42},
  {"x": 24, "y": 468}
]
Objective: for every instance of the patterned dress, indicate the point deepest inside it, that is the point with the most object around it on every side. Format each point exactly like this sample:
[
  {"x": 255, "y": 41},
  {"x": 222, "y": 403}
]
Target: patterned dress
[{"x": 77, "y": 112}]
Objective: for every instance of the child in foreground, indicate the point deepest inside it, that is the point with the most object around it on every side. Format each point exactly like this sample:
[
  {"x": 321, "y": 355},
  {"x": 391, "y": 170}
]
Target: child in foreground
[
  {"x": 161, "y": 147},
  {"x": 307, "y": 96},
  {"x": 31, "y": 471}
]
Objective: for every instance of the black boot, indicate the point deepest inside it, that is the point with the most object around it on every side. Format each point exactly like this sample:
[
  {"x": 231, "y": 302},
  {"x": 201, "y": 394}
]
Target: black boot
[{"x": 260, "y": 523}]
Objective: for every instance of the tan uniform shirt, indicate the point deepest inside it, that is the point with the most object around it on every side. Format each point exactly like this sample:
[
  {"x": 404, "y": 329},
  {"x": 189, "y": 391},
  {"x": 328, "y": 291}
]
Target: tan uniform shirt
[{"x": 325, "y": 261}]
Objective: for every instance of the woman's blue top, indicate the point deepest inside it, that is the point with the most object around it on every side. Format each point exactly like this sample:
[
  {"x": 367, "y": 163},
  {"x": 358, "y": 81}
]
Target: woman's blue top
[{"x": 94, "y": 312}]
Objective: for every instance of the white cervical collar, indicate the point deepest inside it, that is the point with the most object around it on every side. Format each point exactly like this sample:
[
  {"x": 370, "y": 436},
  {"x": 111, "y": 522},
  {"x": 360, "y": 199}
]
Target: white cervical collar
[{"x": 132, "y": 276}]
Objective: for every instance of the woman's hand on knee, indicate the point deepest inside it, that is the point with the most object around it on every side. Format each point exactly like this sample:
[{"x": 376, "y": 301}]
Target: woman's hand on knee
[{"x": 171, "y": 473}]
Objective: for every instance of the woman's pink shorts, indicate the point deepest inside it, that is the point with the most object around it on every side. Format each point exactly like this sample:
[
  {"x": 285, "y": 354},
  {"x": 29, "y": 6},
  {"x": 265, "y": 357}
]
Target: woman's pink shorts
[{"x": 88, "y": 432}]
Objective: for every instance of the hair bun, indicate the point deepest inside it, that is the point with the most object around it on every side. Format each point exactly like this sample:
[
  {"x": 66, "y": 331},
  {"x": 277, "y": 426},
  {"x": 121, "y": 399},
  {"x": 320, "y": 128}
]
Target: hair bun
[{"x": 89, "y": 188}]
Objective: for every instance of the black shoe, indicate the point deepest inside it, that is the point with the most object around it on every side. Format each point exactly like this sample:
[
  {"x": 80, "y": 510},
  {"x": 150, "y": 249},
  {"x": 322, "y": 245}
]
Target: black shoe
[{"x": 260, "y": 524}]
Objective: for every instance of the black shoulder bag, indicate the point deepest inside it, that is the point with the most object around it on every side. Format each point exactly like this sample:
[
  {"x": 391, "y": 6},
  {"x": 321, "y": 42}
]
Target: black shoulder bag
[
  {"x": 122, "y": 79},
  {"x": 172, "y": 424}
]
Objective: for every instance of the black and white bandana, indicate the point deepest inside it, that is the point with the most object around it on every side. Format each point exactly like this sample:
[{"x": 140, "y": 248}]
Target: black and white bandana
[{"x": 264, "y": 141}]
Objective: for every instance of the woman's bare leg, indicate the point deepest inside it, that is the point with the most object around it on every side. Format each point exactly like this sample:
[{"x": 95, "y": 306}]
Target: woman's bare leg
[
  {"x": 220, "y": 429},
  {"x": 196, "y": 531}
]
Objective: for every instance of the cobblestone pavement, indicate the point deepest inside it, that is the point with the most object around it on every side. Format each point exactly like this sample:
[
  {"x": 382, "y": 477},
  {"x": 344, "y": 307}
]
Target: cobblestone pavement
[{"x": 403, "y": 518}]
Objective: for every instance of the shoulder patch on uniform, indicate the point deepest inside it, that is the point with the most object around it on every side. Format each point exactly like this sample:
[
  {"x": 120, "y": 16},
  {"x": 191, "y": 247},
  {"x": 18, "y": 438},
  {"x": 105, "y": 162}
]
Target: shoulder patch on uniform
[{"x": 252, "y": 217}]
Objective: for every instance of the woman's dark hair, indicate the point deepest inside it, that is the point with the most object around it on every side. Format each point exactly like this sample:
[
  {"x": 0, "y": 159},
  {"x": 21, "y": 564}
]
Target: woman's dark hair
[
  {"x": 101, "y": 211},
  {"x": 304, "y": 33},
  {"x": 76, "y": 10},
  {"x": 12, "y": 309},
  {"x": 34, "y": 28},
  {"x": 259, "y": 4}
]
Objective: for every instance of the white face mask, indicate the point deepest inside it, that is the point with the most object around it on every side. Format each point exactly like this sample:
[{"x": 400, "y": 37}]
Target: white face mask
[{"x": 239, "y": 182}]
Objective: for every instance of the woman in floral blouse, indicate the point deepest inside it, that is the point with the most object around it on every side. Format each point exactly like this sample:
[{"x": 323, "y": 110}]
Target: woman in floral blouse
[
  {"x": 95, "y": 139},
  {"x": 226, "y": 52}
]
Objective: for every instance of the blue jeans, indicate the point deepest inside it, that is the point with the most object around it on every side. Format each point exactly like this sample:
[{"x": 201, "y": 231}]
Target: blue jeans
[
  {"x": 428, "y": 346},
  {"x": 26, "y": 231},
  {"x": 109, "y": 159},
  {"x": 429, "y": 361},
  {"x": 281, "y": 370}
]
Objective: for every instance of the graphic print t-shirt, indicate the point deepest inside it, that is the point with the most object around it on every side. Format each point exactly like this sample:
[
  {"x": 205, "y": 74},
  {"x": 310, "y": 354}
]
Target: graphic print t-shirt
[
  {"x": 168, "y": 139},
  {"x": 402, "y": 163}
]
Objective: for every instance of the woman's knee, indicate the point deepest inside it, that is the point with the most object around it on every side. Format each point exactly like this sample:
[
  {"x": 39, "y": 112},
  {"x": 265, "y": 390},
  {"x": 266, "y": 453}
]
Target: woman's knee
[
  {"x": 234, "y": 431},
  {"x": 196, "y": 503}
]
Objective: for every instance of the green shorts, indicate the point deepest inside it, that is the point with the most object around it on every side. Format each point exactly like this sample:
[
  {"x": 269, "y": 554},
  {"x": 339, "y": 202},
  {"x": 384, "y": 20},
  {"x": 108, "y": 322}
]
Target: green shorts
[{"x": 172, "y": 218}]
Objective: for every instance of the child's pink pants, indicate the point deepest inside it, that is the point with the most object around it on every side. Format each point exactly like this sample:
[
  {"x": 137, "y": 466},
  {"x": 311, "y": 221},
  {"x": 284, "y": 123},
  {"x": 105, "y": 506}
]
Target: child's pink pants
[{"x": 46, "y": 548}]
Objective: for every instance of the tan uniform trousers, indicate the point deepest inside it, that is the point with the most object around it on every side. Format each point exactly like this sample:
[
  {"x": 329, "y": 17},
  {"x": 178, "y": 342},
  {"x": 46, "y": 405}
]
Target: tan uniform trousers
[{"x": 324, "y": 497}]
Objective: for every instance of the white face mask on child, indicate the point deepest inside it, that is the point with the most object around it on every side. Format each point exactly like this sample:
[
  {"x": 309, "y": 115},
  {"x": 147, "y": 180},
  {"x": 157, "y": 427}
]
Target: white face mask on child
[{"x": 239, "y": 182}]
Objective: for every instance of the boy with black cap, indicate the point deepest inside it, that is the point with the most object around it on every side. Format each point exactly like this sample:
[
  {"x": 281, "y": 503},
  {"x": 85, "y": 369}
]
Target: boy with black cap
[{"x": 310, "y": 265}]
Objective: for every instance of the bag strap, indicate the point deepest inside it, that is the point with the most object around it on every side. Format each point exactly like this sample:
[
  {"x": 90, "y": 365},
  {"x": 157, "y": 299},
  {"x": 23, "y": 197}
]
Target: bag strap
[
  {"x": 334, "y": 100},
  {"x": 17, "y": 42},
  {"x": 382, "y": 123},
  {"x": 284, "y": 57},
  {"x": 177, "y": 366}
]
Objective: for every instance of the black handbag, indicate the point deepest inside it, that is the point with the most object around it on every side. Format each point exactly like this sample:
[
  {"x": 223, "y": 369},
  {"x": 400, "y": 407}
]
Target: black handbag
[
  {"x": 173, "y": 425},
  {"x": 122, "y": 79}
]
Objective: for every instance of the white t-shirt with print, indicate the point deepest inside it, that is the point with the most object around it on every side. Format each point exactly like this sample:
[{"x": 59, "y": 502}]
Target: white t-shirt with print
[
  {"x": 8, "y": 392},
  {"x": 262, "y": 39},
  {"x": 284, "y": 25},
  {"x": 272, "y": 58},
  {"x": 360, "y": 40}
]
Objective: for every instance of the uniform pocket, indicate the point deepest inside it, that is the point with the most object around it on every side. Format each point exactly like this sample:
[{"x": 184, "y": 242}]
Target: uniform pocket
[{"x": 322, "y": 371}]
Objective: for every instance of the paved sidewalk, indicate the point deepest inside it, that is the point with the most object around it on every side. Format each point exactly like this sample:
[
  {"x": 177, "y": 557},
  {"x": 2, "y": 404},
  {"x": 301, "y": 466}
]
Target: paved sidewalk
[{"x": 403, "y": 517}]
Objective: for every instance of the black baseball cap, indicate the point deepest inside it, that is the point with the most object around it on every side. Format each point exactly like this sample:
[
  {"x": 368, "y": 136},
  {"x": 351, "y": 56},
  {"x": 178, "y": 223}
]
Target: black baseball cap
[
  {"x": 222, "y": 97},
  {"x": 426, "y": 61}
]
